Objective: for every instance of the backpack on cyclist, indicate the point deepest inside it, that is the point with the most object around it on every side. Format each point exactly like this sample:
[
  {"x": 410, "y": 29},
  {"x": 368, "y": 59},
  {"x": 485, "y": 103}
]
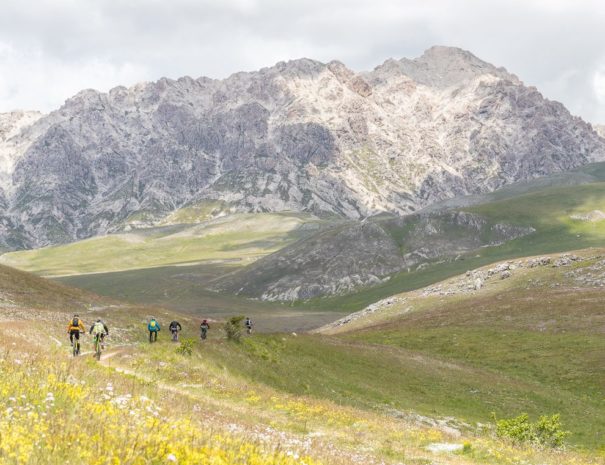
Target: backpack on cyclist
[
  {"x": 98, "y": 328},
  {"x": 75, "y": 323}
]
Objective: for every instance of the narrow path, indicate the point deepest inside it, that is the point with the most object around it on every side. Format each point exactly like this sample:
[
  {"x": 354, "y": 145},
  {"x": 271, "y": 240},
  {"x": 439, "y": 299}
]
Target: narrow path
[
  {"x": 109, "y": 353},
  {"x": 228, "y": 416}
]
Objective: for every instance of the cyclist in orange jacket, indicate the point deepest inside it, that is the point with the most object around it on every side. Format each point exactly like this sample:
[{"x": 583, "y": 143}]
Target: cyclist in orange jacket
[{"x": 74, "y": 328}]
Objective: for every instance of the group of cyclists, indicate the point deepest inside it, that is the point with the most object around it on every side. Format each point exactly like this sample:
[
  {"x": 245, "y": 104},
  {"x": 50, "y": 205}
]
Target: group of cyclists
[{"x": 99, "y": 331}]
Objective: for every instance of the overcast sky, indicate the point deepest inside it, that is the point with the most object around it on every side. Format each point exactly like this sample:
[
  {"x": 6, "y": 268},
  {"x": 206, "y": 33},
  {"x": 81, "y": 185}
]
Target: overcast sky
[{"x": 51, "y": 49}]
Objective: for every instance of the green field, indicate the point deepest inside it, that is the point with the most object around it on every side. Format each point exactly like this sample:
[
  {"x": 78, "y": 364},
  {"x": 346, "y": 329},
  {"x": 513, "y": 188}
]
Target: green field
[
  {"x": 235, "y": 240},
  {"x": 181, "y": 288}
]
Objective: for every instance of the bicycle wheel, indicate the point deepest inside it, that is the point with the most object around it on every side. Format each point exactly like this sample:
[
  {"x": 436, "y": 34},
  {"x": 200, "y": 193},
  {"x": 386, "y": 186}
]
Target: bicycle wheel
[{"x": 98, "y": 348}]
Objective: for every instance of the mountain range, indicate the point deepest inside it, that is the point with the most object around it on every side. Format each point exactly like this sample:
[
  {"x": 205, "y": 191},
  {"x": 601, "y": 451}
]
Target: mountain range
[{"x": 299, "y": 136}]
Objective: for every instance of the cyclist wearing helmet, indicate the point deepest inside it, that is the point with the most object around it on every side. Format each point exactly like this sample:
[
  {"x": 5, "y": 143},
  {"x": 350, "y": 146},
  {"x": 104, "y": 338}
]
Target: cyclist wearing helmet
[
  {"x": 175, "y": 327},
  {"x": 153, "y": 326},
  {"x": 74, "y": 328},
  {"x": 248, "y": 324},
  {"x": 100, "y": 330},
  {"x": 204, "y": 327}
]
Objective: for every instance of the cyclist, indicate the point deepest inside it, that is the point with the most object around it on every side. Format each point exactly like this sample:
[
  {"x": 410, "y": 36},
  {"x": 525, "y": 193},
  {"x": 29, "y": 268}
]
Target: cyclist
[
  {"x": 99, "y": 330},
  {"x": 248, "y": 325},
  {"x": 74, "y": 328},
  {"x": 204, "y": 327},
  {"x": 175, "y": 327},
  {"x": 153, "y": 328}
]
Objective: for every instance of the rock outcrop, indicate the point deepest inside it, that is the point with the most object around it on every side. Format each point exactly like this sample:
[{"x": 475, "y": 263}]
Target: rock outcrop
[{"x": 341, "y": 259}]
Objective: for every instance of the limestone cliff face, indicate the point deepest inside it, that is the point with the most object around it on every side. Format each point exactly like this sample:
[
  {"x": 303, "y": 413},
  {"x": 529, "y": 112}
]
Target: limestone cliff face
[{"x": 301, "y": 135}]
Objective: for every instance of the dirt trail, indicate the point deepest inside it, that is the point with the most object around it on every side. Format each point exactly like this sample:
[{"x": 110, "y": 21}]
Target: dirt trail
[
  {"x": 109, "y": 353},
  {"x": 229, "y": 416}
]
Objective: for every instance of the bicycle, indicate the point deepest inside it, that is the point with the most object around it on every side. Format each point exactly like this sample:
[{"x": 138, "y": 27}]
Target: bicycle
[
  {"x": 204, "y": 333},
  {"x": 76, "y": 347},
  {"x": 175, "y": 335},
  {"x": 98, "y": 344}
]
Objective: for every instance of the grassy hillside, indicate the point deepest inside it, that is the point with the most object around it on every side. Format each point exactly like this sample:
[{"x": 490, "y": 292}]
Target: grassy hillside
[
  {"x": 24, "y": 290},
  {"x": 234, "y": 240},
  {"x": 551, "y": 211},
  {"x": 537, "y": 337},
  {"x": 360, "y": 397}
]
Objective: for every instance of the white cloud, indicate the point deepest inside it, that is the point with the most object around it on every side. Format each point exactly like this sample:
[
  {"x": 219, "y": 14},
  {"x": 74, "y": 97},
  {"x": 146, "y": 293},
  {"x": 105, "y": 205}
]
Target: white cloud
[
  {"x": 30, "y": 79},
  {"x": 599, "y": 85},
  {"x": 50, "y": 49}
]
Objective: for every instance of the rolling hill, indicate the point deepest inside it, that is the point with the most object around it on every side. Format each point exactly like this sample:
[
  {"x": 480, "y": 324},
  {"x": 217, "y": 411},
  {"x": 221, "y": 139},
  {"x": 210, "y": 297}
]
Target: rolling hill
[
  {"x": 231, "y": 241},
  {"x": 402, "y": 384},
  {"x": 415, "y": 380},
  {"x": 285, "y": 256}
]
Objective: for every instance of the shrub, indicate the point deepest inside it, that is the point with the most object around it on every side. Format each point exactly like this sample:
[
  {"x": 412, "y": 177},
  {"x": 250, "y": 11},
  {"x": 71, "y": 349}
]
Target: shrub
[
  {"x": 186, "y": 347},
  {"x": 233, "y": 328},
  {"x": 547, "y": 431}
]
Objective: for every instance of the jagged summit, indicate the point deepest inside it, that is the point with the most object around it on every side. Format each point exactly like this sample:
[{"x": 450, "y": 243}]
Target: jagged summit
[
  {"x": 300, "y": 65},
  {"x": 443, "y": 67},
  {"x": 301, "y": 135}
]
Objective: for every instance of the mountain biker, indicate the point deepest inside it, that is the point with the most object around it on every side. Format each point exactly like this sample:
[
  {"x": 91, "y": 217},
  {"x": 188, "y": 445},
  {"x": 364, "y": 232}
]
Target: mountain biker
[
  {"x": 74, "y": 328},
  {"x": 153, "y": 328},
  {"x": 204, "y": 327},
  {"x": 175, "y": 327},
  {"x": 248, "y": 325},
  {"x": 99, "y": 330}
]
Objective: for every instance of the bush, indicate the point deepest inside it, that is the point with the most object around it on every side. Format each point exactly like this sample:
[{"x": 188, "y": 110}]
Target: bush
[
  {"x": 186, "y": 347},
  {"x": 547, "y": 431},
  {"x": 233, "y": 328}
]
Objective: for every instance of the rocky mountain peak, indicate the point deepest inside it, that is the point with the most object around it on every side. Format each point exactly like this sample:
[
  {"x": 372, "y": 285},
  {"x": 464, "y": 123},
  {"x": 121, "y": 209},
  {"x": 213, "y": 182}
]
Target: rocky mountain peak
[
  {"x": 299, "y": 67},
  {"x": 300, "y": 136},
  {"x": 442, "y": 67},
  {"x": 600, "y": 128}
]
